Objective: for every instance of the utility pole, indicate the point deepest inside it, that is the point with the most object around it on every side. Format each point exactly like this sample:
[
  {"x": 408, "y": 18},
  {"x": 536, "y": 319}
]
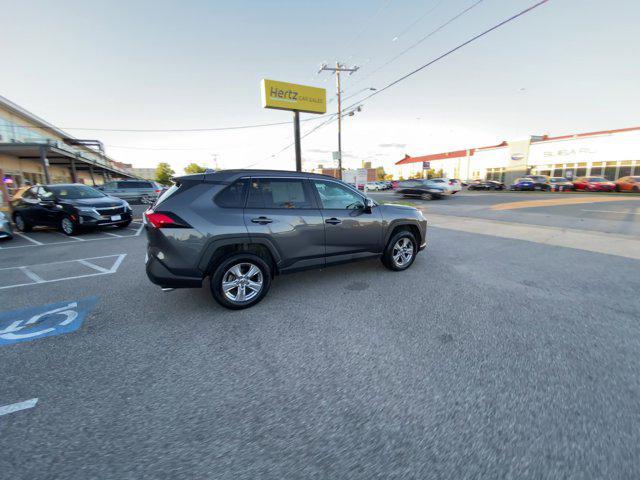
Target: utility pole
[
  {"x": 296, "y": 135},
  {"x": 337, "y": 70}
]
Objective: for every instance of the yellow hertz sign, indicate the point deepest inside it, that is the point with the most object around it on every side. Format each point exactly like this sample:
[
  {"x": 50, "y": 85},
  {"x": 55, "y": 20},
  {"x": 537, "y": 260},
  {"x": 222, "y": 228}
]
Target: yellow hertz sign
[{"x": 289, "y": 96}]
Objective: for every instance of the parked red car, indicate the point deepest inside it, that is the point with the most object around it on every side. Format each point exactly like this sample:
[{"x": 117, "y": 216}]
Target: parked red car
[{"x": 594, "y": 184}]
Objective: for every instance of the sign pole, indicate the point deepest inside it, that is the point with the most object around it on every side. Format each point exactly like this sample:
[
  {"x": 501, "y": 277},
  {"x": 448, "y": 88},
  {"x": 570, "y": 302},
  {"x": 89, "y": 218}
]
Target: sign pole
[{"x": 296, "y": 134}]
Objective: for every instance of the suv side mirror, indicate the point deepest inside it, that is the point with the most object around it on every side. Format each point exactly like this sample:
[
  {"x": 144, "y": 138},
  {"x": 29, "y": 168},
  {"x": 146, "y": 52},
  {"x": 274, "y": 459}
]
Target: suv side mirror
[{"x": 368, "y": 205}]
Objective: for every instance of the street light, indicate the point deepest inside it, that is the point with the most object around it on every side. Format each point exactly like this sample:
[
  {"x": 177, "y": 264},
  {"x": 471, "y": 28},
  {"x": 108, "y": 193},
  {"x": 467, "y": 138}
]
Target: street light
[
  {"x": 368, "y": 89},
  {"x": 372, "y": 89}
]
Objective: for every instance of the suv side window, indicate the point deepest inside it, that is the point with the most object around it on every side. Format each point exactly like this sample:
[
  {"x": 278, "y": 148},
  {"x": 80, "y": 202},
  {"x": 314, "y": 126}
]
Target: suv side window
[
  {"x": 278, "y": 193},
  {"x": 338, "y": 197},
  {"x": 44, "y": 194},
  {"x": 233, "y": 196}
]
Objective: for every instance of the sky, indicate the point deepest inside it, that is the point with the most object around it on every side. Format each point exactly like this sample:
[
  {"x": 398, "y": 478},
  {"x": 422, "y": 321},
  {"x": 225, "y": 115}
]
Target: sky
[{"x": 569, "y": 66}]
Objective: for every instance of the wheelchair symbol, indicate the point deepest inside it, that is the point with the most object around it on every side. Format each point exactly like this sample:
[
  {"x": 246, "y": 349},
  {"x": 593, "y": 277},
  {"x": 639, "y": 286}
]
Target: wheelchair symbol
[{"x": 44, "y": 321}]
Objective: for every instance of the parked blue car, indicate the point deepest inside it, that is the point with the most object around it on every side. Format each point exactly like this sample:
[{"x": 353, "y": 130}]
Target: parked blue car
[{"x": 537, "y": 182}]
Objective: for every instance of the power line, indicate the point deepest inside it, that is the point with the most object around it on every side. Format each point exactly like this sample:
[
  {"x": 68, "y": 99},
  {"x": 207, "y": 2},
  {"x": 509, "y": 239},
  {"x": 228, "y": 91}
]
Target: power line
[
  {"x": 184, "y": 130},
  {"x": 415, "y": 44},
  {"x": 177, "y": 149},
  {"x": 417, "y": 20},
  {"x": 317, "y": 127},
  {"x": 426, "y": 65},
  {"x": 366, "y": 25},
  {"x": 453, "y": 50}
]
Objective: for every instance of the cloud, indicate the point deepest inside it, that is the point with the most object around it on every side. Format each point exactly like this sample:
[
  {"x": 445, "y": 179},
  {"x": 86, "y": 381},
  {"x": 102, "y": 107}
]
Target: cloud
[
  {"x": 318, "y": 150},
  {"x": 392, "y": 145}
]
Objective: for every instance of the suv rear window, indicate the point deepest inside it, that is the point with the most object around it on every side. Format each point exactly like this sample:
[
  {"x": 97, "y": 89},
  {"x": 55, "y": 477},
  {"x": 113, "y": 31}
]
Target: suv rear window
[
  {"x": 166, "y": 194},
  {"x": 134, "y": 185},
  {"x": 233, "y": 195}
]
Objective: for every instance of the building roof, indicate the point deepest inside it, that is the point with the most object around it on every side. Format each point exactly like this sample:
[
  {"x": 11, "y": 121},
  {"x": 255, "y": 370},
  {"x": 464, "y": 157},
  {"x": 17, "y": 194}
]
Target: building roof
[
  {"x": 43, "y": 124},
  {"x": 435, "y": 156},
  {"x": 544, "y": 138}
]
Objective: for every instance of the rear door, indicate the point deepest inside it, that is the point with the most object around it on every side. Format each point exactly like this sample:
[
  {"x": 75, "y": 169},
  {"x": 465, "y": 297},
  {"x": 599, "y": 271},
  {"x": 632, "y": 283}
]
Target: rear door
[
  {"x": 28, "y": 206},
  {"x": 48, "y": 210},
  {"x": 283, "y": 211},
  {"x": 351, "y": 231}
]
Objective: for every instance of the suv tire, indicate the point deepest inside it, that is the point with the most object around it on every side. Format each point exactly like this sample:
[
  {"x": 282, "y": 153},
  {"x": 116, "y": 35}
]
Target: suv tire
[
  {"x": 68, "y": 226},
  {"x": 21, "y": 223},
  {"x": 251, "y": 276},
  {"x": 401, "y": 251}
]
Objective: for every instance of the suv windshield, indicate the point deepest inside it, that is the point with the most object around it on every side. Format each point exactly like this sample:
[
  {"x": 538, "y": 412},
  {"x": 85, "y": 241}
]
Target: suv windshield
[{"x": 75, "y": 192}]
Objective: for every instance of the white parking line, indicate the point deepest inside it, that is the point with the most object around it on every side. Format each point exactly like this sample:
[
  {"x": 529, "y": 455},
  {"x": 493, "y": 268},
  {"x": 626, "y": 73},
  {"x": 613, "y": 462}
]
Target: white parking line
[
  {"x": 611, "y": 211},
  {"x": 38, "y": 280},
  {"x": 91, "y": 265},
  {"x": 39, "y": 244},
  {"x": 28, "y": 238},
  {"x": 69, "y": 237},
  {"x": 33, "y": 276},
  {"x": 16, "y": 407}
]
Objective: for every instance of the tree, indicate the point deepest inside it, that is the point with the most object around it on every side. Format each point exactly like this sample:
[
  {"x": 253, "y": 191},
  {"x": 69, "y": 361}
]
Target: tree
[
  {"x": 164, "y": 172},
  {"x": 380, "y": 174},
  {"x": 194, "y": 168}
]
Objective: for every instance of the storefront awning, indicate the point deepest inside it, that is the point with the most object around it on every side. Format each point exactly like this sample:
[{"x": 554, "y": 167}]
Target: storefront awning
[{"x": 57, "y": 155}]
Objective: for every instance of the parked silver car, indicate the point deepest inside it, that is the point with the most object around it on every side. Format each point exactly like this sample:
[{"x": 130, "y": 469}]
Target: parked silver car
[
  {"x": 5, "y": 227},
  {"x": 142, "y": 191}
]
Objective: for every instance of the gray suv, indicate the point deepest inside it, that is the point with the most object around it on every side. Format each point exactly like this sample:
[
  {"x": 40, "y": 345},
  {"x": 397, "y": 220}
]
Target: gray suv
[
  {"x": 243, "y": 227},
  {"x": 142, "y": 191}
]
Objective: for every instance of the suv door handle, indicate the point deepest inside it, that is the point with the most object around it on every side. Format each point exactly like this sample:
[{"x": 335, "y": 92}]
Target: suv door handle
[
  {"x": 333, "y": 221},
  {"x": 261, "y": 220}
]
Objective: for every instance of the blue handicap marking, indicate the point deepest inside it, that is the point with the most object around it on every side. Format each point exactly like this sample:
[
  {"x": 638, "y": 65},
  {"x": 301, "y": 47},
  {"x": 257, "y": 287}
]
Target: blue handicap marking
[{"x": 44, "y": 321}]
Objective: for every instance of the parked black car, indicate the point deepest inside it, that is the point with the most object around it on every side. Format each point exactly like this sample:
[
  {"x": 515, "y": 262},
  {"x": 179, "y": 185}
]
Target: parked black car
[
  {"x": 243, "y": 227},
  {"x": 486, "y": 185},
  {"x": 560, "y": 184},
  {"x": 423, "y": 188},
  {"x": 69, "y": 207}
]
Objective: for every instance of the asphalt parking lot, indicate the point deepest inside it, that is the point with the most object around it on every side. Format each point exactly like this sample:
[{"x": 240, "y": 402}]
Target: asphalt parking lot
[{"x": 508, "y": 350}]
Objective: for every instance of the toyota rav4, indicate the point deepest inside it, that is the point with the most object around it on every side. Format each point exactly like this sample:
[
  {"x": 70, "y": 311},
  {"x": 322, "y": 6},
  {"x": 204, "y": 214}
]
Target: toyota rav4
[{"x": 240, "y": 228}]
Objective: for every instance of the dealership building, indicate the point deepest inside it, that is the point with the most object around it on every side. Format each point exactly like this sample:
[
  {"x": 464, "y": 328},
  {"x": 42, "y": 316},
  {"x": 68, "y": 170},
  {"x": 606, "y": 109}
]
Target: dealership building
[
  {"x": 611, "y": 154},
  {"x": 34, "y": 151}
]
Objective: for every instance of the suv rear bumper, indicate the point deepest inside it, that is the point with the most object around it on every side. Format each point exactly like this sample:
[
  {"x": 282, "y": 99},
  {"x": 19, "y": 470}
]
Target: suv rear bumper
[{"x": 159, "y": 274}]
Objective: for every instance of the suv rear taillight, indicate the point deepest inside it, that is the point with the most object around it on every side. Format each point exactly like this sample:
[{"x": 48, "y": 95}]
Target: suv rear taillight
[{"x": 164, "y": 220}]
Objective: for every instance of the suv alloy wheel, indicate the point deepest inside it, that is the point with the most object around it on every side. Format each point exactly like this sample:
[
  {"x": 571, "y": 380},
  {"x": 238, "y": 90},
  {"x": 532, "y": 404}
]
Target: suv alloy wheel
[
  {"x": 240, "y": 281},
  {"x": 67, "y": 226},
  {"x": 400, "y": 252}
]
